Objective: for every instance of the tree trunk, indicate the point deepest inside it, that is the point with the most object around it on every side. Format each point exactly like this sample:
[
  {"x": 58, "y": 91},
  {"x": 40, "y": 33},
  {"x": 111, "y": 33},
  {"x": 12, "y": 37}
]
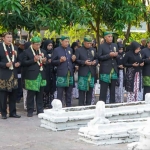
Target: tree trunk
[
  {"x": 127, "y": 34},
  {"x": 97, "y": 38},
  {"x": 13, "y": 35},
  {"x": 96, "y": 30},
  {"x": 145, "y": 15},
  {"x": 97, "y": 33},
  {"x": 29, "y": 37},
  {"x": 148, "y": 27}
]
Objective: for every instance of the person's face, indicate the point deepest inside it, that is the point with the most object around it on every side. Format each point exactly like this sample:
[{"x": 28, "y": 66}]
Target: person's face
[
  {"x": 36, "y": 46},
  {"x": 49, "y": 46},
  {"x": 137, "y": 50},
  {"x": 21, "y": 46},
  {"x": 94, "y": 45},
  {"x": 87, "y": 44},
  {"x": 79, "y": 44},
  {"x": 76, "y": 47},
  {"x": 109, "y": 38},
  {"x": 64, "y": 43},
  {"x": 7, "y": 39},
  {"x": 102, "y": 41},
  {"x": 120, "y": 50},
  {"x": 143, "y": 42},
  {"x": 148, "y": 44}
]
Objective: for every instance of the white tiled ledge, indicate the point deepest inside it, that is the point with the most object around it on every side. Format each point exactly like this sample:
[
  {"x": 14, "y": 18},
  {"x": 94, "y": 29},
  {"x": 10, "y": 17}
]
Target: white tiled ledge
[
  {"x": 75, "y": 117},
  {"x": 124, "y": 112},
  {"x": 113, "y": 133},
  {"x": 78, "y": 108},
  {"x": 144, "y": 140}
]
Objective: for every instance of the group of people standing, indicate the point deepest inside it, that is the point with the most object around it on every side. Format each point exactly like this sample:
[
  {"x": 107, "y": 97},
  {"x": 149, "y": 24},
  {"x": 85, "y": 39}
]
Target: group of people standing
[
  {"x": 124, "y": 70},
  {"x": 45, "y": 70}
]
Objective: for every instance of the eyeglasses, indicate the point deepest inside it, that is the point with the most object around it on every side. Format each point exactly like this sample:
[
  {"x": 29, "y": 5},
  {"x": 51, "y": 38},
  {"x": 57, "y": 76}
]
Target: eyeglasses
[{"x": 6, "y": 33}]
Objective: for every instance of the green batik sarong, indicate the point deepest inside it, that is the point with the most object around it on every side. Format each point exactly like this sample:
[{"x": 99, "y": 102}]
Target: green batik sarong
[
  {"x": 65, "y": 81},
  {"x": 34, "y": 85},
  {"x": 84, "y": 83},
  {"x": 146, "y": 80},
  {"x": 108, "y": 77}
]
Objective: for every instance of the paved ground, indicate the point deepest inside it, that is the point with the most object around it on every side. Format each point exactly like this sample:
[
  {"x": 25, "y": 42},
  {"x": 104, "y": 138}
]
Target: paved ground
[{"x": 25, "y": 134}]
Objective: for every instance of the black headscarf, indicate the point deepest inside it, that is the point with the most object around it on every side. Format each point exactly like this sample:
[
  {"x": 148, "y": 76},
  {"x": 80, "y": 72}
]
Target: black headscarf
[
  {"x": 134, "y": 45},
  {"x": 46, "y": 43},
  {"x": 120, "y": 45},
  {"x": 74, "y": 44}
]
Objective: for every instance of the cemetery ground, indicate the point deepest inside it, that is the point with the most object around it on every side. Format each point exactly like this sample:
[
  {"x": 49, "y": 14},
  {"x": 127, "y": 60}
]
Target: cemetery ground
[{"x": 26, "y": 134}]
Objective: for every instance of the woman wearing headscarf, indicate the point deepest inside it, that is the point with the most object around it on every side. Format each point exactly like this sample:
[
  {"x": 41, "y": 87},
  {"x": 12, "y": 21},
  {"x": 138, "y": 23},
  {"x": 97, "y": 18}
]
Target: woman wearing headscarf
[
  {"x": 134, "y": 63},
  {"x": 119, "y": 96},
  {"x": 75, "y": 91},
  {"x": 50, "y": 88}
]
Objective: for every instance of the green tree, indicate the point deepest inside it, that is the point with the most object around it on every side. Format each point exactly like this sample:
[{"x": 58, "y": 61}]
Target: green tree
[
  {"x": 113, "y": 14},
  {"x": 75, "y": 32},
  {"x": 99, "y": 15},
  {"x": 9, "y": 9},
  {"x": 131, "y": 13},
  {"x": 90, "y": 13},
  {"x": 146, "y": 3},
  {"x": 25, "y": 13}
]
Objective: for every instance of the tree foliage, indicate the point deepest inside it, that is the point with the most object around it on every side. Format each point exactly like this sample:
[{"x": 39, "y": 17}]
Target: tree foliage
[
  {"x": 114, "y": 14},
  {"x": 76, "y": 32},
  {"x": 25, "y": 13},
  {"x": 65, "y": 14}
]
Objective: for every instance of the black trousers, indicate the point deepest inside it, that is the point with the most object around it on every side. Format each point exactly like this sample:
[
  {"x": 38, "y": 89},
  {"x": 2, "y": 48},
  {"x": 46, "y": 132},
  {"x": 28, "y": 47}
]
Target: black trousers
[
  {"x": 103, "y": 91},
  {"x": 146, "y": 90},
  {"x": 20, "y": 90},
  {"x": 39, "y": 101},
  {"x": 85, "y": 98},
  {"x": 47, "y": 99},
  {"x": 68, "y": 94},
  {"x": 12, "y": 102}
]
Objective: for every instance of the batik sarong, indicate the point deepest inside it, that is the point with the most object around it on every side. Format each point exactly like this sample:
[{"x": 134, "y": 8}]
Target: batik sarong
[
  {"x": 34, "y": 85},
  {"x": 64, "y": 81},
  {"x": 84, "y": 83}
]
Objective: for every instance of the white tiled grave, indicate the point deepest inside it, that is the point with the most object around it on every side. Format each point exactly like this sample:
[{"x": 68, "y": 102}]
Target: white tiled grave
[
  {"x": 113, "y": 133},
  {"x": 144, "y": 141},
  {"x": 60, "y": 118},
  {"x": 102, "y": 131}
]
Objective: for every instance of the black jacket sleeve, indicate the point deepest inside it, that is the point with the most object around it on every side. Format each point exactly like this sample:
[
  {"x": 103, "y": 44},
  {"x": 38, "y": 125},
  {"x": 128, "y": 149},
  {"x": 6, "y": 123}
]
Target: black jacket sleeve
[
  {"x": 78, "y": 61},
  {"x": 125, "y": 60},
  {"x": 145, "y": 59},
  {"x": 26, "y": 61},
  {"x": 55, "y": 59},
  {"x": 96, "y": 57},
  {"x": 100, "y": 54}
]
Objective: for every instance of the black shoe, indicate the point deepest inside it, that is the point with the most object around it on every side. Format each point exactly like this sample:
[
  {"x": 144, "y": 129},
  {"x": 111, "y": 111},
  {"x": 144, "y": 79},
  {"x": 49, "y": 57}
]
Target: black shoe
[
  {"x": 14, "y": 116},
  {"x": 29, "y": 115},
  {"x": 39, "y": 112},
  {"x": 4, "y": 117}
]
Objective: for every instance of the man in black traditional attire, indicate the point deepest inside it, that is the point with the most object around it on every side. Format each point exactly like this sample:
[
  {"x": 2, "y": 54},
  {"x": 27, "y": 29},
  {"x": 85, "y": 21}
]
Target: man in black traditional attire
[{"x": 8, "y": 76}]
